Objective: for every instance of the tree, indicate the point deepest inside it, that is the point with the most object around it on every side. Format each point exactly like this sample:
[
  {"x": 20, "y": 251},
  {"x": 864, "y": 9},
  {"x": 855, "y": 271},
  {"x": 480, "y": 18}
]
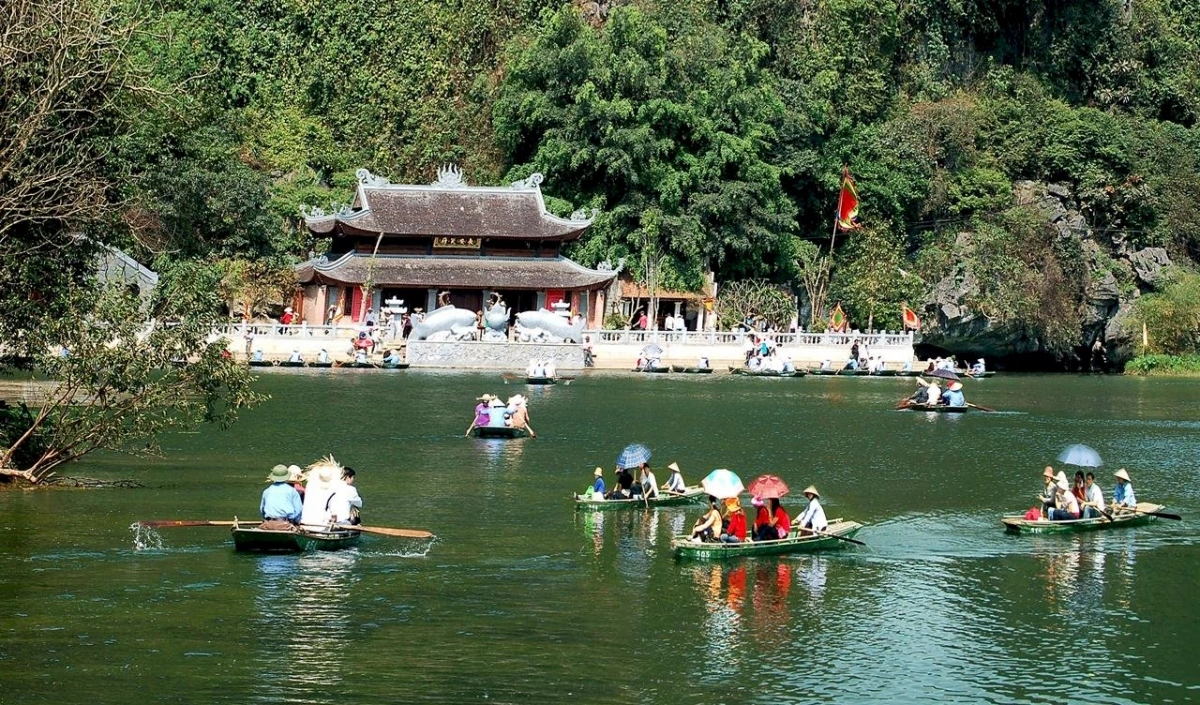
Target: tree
[
  {"x": 754, "y": 298},
  {"x": 116, "y": 381},
  {"x": 668, "y": 132},
  {"x": 870, "y": 279},
  {"x": 1170, "y": 317}
]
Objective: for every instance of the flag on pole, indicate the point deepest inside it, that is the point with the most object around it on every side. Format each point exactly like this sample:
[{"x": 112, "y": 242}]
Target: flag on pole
[
  {"x": 909, "y": 317},
  {"x": 837, "y": 320},
  {"x": 847, "y": 216}
]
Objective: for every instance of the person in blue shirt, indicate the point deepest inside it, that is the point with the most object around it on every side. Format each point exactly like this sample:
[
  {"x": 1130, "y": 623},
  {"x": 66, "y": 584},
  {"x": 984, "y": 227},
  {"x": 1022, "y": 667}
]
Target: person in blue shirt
[
  {"x": 598, "y": 485},
  {"x": 1123, "y": 492},
  {"x": 953, "y": 395},
  {"x": 391, "y": 357},
  {"x": 258, "y": 356},
  {"x": 280, "y": 506}
]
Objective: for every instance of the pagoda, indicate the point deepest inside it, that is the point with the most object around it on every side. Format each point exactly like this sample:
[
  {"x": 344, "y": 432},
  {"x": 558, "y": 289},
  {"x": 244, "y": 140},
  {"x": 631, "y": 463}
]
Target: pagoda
[{"x": 446, "y": 243}]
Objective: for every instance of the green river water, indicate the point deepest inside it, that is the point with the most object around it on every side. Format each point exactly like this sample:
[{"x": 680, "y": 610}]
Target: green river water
[{"x": 522, "y": 600}]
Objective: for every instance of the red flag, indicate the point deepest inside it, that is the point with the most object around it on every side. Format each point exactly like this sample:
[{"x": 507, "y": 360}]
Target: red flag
[
  {"x": 909, "y": 317},
  {"x": 837, "y": 320},
  {"x": 847, "y": 217}
]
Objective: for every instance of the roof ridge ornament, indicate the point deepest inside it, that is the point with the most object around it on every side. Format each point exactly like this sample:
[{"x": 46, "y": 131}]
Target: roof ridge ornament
[
  {"x": 366, "y": 178},
  {"x": 450, "y": 176},
  {"x": 534, "y": 180},
  {"x": 581, "y": 216}
]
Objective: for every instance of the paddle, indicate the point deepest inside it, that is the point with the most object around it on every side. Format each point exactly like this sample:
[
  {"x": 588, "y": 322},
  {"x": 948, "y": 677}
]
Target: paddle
[
  {"x": 981, "y": 408},
  {"x": 385, "y": 531},
  {"x": 1163, "y": 515},
  {"x": 380, "y": 530},
  {"x": 167, "y": 523},
  {"x": 836, "y": 536}
]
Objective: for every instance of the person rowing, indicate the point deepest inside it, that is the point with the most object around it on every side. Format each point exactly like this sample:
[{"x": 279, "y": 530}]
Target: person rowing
[
  {"x": 707, "y": 527},
  {"x": 953, "y": 395},
  {"x": 675, "y": 484},
  {"x": 813, "y": 516},
  {"x": 1093, "y": 497},
  {"x": 1123, "y": 498}
]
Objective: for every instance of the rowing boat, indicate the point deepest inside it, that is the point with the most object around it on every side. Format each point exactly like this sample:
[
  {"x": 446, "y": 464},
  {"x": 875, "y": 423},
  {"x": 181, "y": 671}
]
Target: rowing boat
[
  {"x": 653, "y": 370},
  {"x": 765, "y": 373},
  {"x": 290, "y": 363},
  {"x": 261, "y": 363},
  {"x": 690, "y": 495},
  {"x": 978, "y": 375},
  {"x": 320, "y": 364},
  {"x": 375, "y": 365},
  {"x": 1018, "y": 524},
  {"x": 692, "y": 370},
  {"x": 246, "y": 538},
  {"x": 936, "y": 408},
  {"x": 499, "y": 432},
  {"x": 541, "y": 380},
  {"x": 683, "y": 546}
]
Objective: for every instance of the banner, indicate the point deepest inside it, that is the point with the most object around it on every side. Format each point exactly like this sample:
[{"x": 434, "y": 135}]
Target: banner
[
  {"x": 847, "y": 216},
  {"x": 837, "y": 320},
  {"x": 909, "y": 318}
]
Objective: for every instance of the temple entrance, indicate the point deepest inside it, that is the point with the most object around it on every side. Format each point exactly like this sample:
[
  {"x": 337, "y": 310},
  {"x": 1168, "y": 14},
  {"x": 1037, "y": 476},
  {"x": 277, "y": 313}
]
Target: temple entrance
[
  {"x": 412, "y": 298},
  {"x": 465, "y": 298},
  {"x": 518, "y": 300}
]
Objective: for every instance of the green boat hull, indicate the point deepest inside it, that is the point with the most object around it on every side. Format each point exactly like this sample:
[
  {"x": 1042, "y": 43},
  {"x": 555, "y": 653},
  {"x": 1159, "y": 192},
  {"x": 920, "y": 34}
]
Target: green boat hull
[
  {"x": 938, "y": 409},
  {"x": 691, "y": 370},
  {"x": 691, "y": 495},
  {"x": 1018, "y": 524},
  {"x": 498, "y": 432},
  {"x": 541, "y": 380},
  {"x": 766, "y": 373},
  {"x": 683, "y": 547},
  {"x": 264, "y": 541}
]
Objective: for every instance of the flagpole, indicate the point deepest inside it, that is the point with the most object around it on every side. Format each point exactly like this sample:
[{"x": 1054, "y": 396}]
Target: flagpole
[{"x": 837, "y": 213}]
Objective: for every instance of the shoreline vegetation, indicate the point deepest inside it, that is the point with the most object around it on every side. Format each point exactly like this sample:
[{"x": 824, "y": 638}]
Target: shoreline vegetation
[{"x": 1164, "y": 366}]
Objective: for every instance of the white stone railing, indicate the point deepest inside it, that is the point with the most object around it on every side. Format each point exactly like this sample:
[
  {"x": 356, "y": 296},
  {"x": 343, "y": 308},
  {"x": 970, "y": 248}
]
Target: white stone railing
[{"x": 877, "y": 339}]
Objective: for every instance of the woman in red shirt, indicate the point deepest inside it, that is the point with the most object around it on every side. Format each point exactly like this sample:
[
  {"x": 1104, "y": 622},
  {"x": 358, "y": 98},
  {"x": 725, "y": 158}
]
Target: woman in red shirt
[
  {"x": 763, "y": 531},
  {"x": 735, "y": 520}
]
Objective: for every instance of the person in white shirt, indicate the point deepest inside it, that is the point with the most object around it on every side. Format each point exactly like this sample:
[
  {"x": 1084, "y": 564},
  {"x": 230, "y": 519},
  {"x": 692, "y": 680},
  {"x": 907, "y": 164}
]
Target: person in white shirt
[
  {"x": 344, "y": 504},
  {"x": 649, "y": 482},
  {"x": 669, "y": 323},
  {"x": 675, "y": 484},
  {"x": 295, "y": 356},
  {"x": 1066, "y": 507},
  {"x": 1093, "y": 497},
  {"x": 549, "y": 368},
  {"x": 813, "y": 516},
  {"x": 704, "y": 364},
  {"x": 323, "y": 356},
  {"x": 531, "y": 368},
  {"x": 933, "y": 394}
]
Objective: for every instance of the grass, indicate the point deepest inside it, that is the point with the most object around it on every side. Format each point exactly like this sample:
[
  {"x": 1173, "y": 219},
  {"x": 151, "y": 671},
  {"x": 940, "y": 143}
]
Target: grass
[{"x": 1182, "y": 365}]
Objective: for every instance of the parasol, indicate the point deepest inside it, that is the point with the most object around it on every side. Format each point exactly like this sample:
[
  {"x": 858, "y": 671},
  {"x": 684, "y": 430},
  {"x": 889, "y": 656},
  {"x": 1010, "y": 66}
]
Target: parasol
[
  {"x": 1080, "y": 455},
  {"x": 768, "y": 487},
  {"x": 633, "y": 456},
  {"x": 944, "y": 374},
  {"x": 652, "y": 350},
  {"x": 722, "y": 484}
]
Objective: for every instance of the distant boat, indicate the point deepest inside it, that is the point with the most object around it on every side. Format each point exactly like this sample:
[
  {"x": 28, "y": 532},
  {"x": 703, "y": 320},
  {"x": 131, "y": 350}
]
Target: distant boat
[
  {"x": 262, "y": 363},
  {"x": 691, "y": 370},
  {"x": 936, "y": 408},
  {"x": 690, "y": 495},
  {"x": 684, "y": 547},
  {"x": 1018, "y": 524},
  {"x": 541, "y": 379},
  {"x": 498, "y": 432},
  {"x": 765, "y": 373}
]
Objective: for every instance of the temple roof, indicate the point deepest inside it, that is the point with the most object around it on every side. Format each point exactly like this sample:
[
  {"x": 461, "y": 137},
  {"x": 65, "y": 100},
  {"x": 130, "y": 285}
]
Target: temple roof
[
  {"x": 447, "y": 208},
  {"x": 455, "y": 271}
]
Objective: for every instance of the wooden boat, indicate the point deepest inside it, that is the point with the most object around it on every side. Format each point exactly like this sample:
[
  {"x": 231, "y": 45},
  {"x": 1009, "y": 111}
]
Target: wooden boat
[
  {"x": 692, "y": 370},
  {"x": 289, "y": 363},
  {"x": 765, "y": 373},
  {"x": 1018, "y": 524},
  {"x": 683, "y": 547},
  {"x": 375, "y": 365},
  {"x": 936, "y": 408},
  {"x": 320, "y": 364},
  {"x": 978, "y": 375},
  {"x": 652, "y": 370},
  {"x": 248, "y": 538},
  {"x": 498, "y": 432},
  {"x": 691, "y": 494},
  {"x": 261, "y": 363},
  {"x": 541, "y": 380}
]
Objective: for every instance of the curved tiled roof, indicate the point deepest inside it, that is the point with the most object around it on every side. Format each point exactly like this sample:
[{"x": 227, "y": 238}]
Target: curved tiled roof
[
  {"x": 455, "y": 271},
  {"x": 448, "y": 209}
]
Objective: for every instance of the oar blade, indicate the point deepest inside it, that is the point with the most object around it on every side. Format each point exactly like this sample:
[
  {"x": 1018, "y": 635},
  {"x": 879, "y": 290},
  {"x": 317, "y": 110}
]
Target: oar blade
[
  {"x": 169, "y": 523},
  {"x": 1166, "y": 515},
  {"x": 396, "y": 533}
]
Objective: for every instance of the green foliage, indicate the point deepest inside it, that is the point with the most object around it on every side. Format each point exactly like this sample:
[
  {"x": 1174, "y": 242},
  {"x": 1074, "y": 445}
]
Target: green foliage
[
  {"x": 754, "y": 298},
  {"x": 871, "y": 281},
  {"x": 668, "y": 133},
  {"x": 1164, "y": 365},
  {"x": 1171, "y": 317}
]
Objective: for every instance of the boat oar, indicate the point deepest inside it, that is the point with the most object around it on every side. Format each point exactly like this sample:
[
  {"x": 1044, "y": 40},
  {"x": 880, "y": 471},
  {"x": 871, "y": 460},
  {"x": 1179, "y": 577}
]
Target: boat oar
[
  {"x": 171, "y": 523},
  {"x": 1163, "y": 515},
  {"x": 981, "y": 408},
  {"x": 836, "y": 536},
  {"x": 385, "y": 531}
]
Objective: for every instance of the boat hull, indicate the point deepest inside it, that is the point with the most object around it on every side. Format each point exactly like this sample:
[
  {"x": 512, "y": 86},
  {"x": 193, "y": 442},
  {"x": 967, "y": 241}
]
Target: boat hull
[
  {"x": 684, "y": 548},
  {"x": 691, "y": 495},
  {"x": 691, "y": 370},
  {"x": 498, "y": 432},
  {"x": 255, "y": 540},
  {"x": 1018, "y": 524},
  {"x": 541, "y": 380},
  {"x": 289, "y": 363},
  {"x": 261, "y": 363},
  {"x": 652, "y": 370},
  {"x": 765, "y": 373},
  {"x": 938, "y": 409}
]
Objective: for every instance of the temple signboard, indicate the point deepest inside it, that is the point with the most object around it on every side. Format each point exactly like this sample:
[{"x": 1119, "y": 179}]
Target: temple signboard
[{"x": 460, "y": 243}]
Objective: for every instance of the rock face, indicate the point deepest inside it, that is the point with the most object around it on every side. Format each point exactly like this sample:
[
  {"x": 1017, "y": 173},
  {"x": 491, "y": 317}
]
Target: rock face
[{"x": 1116, "y": 275}]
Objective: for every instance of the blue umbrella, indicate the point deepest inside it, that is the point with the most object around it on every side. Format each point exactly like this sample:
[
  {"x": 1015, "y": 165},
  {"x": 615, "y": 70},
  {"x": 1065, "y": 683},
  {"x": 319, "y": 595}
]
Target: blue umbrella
[
  {"x": 722, "y": 484},
  {"x": 1080, "y": 456},
  {"x": 633, "y": 456}
]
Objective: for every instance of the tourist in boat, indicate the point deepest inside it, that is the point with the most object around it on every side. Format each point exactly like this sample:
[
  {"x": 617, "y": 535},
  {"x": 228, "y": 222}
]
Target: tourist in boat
[
  {"x": 623, "y": 489},
  {"x": 907, "y": 367},
  {"x": 813, "y": 516},
  {"x": 1093, "y": 497},
  {"x": 1077, "y": 487},
  {"x": 933, "y": 394},
  {"x": 295, "y": 356},
  {"x": 481, "y": 413},
  {"x": 1047, "y": 495},
  {"x": 548, "y": 369},
  {"x": 280, "y": 505},
  {"x": 703, "y": 364},
  {"x": 708, "y": 526},
  {"x": 978, "y": 368},
  {"x": 598, "y": 483},
  {"x": 675, "y": 483},
  {"x": 953, "y": 395},
  {"x": 345, "y": 503},
  {"x": 323, "y": 356},
  {"x": 1123, "y": 493},
  {"x": 497, "y": 413},
  {"x": 258, "y": 356},
  {"x": 762, "y": 518},
  {"x": 734, "y": 527},
  {"x": 360, "y": 357},
  {"x": 519, "y": 414},
  {"x": 788, "y": 365},
  {"x": 826, "y": 365},
  {"x": 391, "y": 357},
  {"x": 647, "y": 482},
  {"x": 851, "y": 364},
  {"x": 1066, "y": 507},
  {"x": 296, "y": 479}
]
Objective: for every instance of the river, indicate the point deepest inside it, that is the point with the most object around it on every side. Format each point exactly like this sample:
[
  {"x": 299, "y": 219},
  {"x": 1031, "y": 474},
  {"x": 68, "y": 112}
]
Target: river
[{"x": 522, "y": 600}]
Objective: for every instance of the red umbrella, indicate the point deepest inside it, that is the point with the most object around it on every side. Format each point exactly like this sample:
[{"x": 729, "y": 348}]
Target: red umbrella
[{"x": 768, "y": 486}]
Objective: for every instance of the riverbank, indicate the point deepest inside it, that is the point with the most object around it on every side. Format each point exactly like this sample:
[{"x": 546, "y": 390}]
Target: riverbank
[{"x": 1164, "y": 365}]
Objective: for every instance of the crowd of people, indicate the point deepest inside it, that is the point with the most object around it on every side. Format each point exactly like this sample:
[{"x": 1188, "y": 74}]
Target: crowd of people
[
  {"x": 929, "y": 393},
  {"x": 541, "y": 368},
  {"x": 321, "y": 497},
  {"x": 494, "y": 412},
  {"x": 1082, "y": 498},
  {"x": 645, "y": 488},
  {"x": 771, "y": 520}
]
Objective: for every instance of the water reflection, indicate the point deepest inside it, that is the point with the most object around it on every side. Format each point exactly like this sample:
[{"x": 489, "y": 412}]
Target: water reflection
[
  {"x": 500, "y": 452},
  {"x": 811, "y": 574},
  {"x": 303, "y": 622},
  {"x": 593, "y": 528},
  {"x": 723, "y": 590}
]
